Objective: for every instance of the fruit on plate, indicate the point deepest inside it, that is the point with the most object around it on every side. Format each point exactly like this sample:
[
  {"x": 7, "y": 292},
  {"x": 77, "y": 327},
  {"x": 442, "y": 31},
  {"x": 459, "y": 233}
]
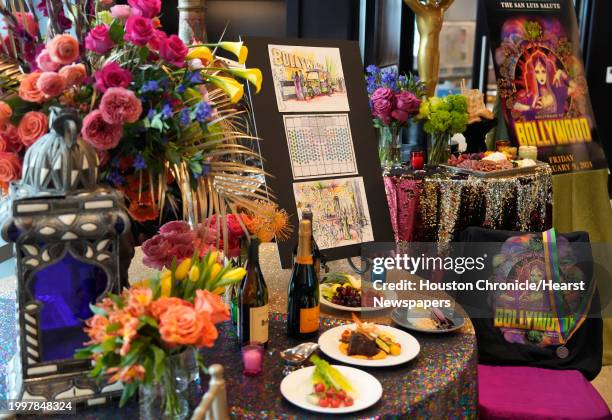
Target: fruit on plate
[
  {"x": 330, "y": 387},
  {"x": 342, "y": 289},
  {"x": 368, "y": 341}
]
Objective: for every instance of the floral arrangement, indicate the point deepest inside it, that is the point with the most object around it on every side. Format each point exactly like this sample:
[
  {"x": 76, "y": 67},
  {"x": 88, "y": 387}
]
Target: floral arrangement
[
  {"x": 177, "y": 241},
  {"x": 134, "y": 333},
  {"x": 443, "y": 117},
  {"x": 394, "y": 99},
  {"x": 165, "y": 118}
]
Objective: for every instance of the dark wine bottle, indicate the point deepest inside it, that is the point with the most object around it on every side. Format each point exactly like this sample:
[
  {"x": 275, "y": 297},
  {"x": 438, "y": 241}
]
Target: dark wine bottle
[
  {"x": 317, "y": 257},
  {"x": 303, "y": 299},
  {"x": 253, "y": 301}
]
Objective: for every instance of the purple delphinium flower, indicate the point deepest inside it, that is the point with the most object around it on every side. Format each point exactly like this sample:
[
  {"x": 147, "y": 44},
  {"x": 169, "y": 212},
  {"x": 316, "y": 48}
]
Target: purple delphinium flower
[
  {"x": 150, "y": 86},
  {"x": 114, "y": 177},
  {"x": 139, "y": 162},
  {"x": 185, "y": 116},
  {"x": 166, "y": 111},
  {"x": 203, "y": 111}
]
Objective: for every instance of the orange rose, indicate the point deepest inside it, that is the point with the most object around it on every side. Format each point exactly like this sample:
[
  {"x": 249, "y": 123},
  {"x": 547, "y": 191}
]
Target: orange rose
[
  {"x": 183, "y": 325},
  {"x": 28, "y": 91},
  {"x": 63, "y": 49},
  {"x": 213, "y": 304},
  {"x": 5, "y": 112},
  {"x": 161, "y": 305},
  {"x": 33, "y": 125},
  {"x": 10, "y": 166},
  {"x": 51, "y": 84},
  {"x": 74, "y": 75}
]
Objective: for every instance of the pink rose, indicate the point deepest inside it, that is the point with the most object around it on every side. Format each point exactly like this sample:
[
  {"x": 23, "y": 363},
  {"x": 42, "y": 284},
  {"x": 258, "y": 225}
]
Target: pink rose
[
  {"x": 155, "y": 252},
  {"x": 120, "y": 105},
  {"x": 382, "y": 110},
  {"x": 178, "y": 252},
  {"x": 73, "y": 75},
  {"x": 51, "y": 84},
  {"x": 98, "y": 40},
  {"x": 407, "y": 102},
  {"x": 10, "y": 167},
  {"x": 44, "y": 62},
  {"x": 138, "y": 30},
  {"x": 233, "y": 226},
  {"x": 175, "y": 227},
  {"x": 382, "y": 93},
  {"x": 174, "y": 51},
  {"x": 145, "y": 8},
  {"x": 158, "y": 39},
  {"x": 112, "y": 75},
  {"x": 100, "y": 134},
  {"x": 400, "y": 116},
  {"x": 206, "y": 301},
  {"x": 121, "y": 12}
]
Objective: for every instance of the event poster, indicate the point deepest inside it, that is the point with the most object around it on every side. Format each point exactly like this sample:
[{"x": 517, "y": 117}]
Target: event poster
[
  {"x": 308, "y": 79},
  {"x": 541, "y": 82},
  {"x": 320, "y": 145},
  {"x": 340, "y": 213}
]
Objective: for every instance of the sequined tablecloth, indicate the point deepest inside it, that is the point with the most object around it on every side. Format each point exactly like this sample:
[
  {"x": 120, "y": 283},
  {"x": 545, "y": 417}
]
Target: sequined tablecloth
[
  {"x": 436, "y": 205},
  {"x": 440, "y": 383}
]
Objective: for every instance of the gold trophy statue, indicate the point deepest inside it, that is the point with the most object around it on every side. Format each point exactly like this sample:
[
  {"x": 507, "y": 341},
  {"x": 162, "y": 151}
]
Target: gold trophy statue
[{"x": 429, "y": 17}]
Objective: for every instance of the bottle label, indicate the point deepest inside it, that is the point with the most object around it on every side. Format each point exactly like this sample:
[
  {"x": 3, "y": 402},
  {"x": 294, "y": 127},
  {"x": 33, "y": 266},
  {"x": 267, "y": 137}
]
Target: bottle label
[
  {"x": 309, "y": 320},
  {"x": 259, "y": 324},
  {"x": 307, "y": 260}
]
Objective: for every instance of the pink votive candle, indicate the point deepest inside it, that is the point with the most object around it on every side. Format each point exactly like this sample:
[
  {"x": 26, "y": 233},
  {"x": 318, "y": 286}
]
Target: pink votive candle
[{"x": 252, "y": 359}]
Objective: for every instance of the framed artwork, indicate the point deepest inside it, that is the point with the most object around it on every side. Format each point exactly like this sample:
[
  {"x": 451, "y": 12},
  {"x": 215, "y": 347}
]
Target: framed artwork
[
  {"x": 340, "y": 211},
  {"x": 308, "y": 79},
  {"x": 457, "y": 46},
  {"x": 320, "y": 151},
  {"x": 320, "y": 145}
]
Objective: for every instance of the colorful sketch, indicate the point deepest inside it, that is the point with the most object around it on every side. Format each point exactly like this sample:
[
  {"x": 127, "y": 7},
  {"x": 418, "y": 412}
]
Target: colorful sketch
[
  {"x": 320, "y": 145},
  {"x": 308, "y": 79},
  {"x": 340, "y": 211}
]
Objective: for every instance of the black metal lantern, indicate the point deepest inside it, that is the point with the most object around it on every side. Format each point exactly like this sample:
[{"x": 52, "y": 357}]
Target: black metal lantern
[{"x": 67, "y": 231}]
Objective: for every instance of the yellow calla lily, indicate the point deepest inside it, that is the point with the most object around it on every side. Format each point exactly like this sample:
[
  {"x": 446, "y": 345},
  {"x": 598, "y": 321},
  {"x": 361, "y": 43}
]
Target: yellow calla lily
[
  {"x": 203, "y": 53},
  {"x": 237, "y": 48},
  {"x": 182, "y": 269},
  {"x": 166, "y": 284},
  {"x": 219, "y": 291},
  {"x": 254, "y": 76},
  {"x": 142, "y": 283},
  {"x": 235, "y": 274},
  {"x": 212, "y": 257},
  {"x": 194, "y": 273},
  {"x": 232, "y": 87},
  {"x": 215, "y": 270}
]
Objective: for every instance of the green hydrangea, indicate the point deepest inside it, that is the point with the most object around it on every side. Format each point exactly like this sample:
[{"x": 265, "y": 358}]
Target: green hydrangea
[{"x": 444, "y": 115}]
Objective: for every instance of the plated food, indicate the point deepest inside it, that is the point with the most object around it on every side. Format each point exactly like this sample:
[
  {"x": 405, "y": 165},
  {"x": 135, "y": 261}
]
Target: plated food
[
  {"x": 489, "y": 162},
  {"x": 367, "y": 341},
  {"x": 344, "y": 292},
  {"x": 368, "y": 344},
  {"x": 431, "y": 320},
  {"x": 331, "y": 389}
]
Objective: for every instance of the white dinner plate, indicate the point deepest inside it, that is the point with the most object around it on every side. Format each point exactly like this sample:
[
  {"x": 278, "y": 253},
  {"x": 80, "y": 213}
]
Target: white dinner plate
[
  {"x": 329, "y": 343},
  {"x": 388, "y": 295},
  {"x": 297, "y": 386}
]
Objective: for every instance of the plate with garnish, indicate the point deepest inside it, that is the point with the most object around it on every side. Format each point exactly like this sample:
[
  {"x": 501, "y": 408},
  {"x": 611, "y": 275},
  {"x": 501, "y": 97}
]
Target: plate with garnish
[
  {"x": 432, "y": 320},
  {"x": 344, "y": 292},
  {"x": 331, "y": 389},
  {"x": 369, "y": 344}
]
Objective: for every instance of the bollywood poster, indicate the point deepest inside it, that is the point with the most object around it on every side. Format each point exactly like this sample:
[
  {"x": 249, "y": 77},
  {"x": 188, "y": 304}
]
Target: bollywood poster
[
  {"x": 308, "y": 79},
  {"x": 542, "y": 83}
]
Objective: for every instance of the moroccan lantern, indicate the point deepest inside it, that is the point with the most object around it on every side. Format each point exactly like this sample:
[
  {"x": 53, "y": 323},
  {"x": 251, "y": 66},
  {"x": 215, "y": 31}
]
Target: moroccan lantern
[{"x": 67, "y": 231}]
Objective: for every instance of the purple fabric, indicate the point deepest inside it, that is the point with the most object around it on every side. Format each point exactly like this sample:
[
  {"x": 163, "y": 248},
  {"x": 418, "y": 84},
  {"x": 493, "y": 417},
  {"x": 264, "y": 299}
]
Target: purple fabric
[{"x": 516, "y": 392}]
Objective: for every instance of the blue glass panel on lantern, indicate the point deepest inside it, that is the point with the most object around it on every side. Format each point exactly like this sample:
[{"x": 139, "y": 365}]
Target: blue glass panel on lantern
[{"x": 65, "y": 289}]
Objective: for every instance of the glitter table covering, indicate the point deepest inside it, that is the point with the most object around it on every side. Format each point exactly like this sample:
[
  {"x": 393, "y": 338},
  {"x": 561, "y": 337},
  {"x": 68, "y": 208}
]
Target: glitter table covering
[
  {"x": 440, "y": 383},
  {"x": 435, "y": 205}
]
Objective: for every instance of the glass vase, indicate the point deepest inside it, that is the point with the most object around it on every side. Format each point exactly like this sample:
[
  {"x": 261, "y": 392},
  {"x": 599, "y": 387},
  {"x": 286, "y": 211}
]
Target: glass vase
[
  {"x": 167, "y": 400},
  {"x": 439, "y": 148},
  {"x": 390, "y": 146}
]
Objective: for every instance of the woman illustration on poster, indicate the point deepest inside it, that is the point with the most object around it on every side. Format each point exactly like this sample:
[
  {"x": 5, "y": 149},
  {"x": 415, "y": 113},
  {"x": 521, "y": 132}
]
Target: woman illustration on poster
[
  {"x": 299, "y": 89},
  {"x": 546, "y": 88}
]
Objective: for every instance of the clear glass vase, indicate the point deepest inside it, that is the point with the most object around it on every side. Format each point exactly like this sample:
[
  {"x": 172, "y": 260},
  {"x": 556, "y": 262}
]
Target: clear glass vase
[
  {"x": 439, "y": 148},
  {"x": 168, "y": 400},
  {"x": 390, "y": 146}
]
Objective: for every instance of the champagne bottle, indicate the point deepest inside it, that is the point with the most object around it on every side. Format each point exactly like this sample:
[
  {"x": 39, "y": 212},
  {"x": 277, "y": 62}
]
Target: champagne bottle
[
  {"x": 317, "y": 257},
  {"x": 253, "y": 301},
  {"x": 303, "y": 300}
]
